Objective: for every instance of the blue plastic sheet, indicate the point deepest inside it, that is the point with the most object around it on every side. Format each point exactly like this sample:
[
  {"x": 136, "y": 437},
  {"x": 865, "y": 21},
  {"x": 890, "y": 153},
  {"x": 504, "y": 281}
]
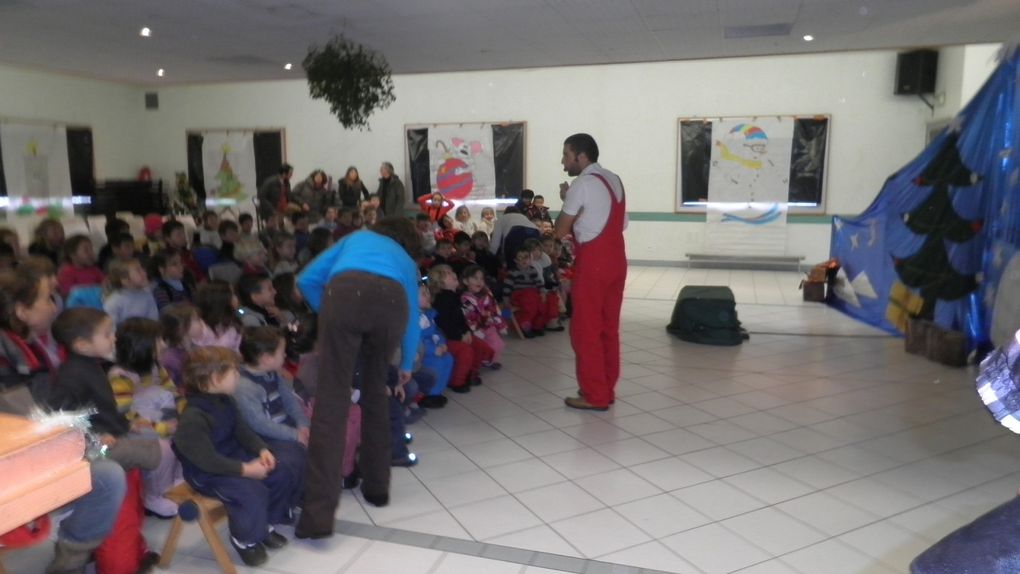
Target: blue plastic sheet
[{"x": 976, "y": 160}]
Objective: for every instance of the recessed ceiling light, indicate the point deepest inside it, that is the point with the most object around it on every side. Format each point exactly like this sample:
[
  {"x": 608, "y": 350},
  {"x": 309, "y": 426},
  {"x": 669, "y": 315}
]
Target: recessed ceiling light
[
  {"x": 808, "y": 37},
  {"x": 288, "y": 66},
  {"x": 145, "y": 32},
  {"x": 159, "y": 72}
]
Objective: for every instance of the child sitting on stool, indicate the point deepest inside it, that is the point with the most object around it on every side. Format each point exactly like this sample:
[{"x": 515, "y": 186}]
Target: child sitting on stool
[{"x": 223, "y": 458}]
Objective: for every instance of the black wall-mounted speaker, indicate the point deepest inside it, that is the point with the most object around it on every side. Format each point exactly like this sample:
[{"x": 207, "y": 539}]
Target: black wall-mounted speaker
[
  {"x": 151, "y": 100},
  {"x": 916, "y": 72}
]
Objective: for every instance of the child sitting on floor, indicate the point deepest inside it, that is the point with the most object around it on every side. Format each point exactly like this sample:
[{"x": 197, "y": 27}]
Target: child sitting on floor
[
  {"x": 128, "y": 292},
  {"x": 266, "y": 401},
  {"x": 217, "y": 310},
  {"x": 284, "y": 253},
  {"x": 180, "y": 324},
  {"x": 434, "y": 356},
  {"x": 482, "y": 313},
  {"x": 258, "y": 302},
  {"x": 542, "y": 262},
  {"x": 148, "y": 398},
  {"x": 523, "y": 288},
  {"x": 468, "y": 352},
  {"x": 224, "y": 459},
  {"x": 88, "y": 336},
  {"x": 79, "y": 269},
  {"x": 169, "y": 284}
]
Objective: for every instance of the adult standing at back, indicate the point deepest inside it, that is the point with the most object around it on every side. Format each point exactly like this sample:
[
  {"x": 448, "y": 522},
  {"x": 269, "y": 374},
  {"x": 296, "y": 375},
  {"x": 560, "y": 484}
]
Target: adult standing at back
[
  {"x": 391, "y": 191},
  {"x": 274, "y": 193},
  {"x": 314, "y": 195},
  {"x": 595, "y": 212},
  {"x": 351, "y": 189}
]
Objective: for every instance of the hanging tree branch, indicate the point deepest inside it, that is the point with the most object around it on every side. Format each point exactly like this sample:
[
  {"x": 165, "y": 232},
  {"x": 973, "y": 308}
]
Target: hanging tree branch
[{"x": 354, "y": 81}]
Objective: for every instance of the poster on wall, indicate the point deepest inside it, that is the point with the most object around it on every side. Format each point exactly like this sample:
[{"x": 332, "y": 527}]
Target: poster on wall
[
  {"x": 35, "y": 161},
  {"x": 748, "y": 185},
  {"x": 461, "y": 163},
  {"x": 696, "y": 152},
  {"x": 228, "y": 163},
  {"x": 253, "y": 156},
  {"x": 469, "y": 163}
]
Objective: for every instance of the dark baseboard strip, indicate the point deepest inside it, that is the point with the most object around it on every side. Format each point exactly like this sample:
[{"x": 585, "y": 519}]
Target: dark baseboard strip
[{"x": 483, "y": 550}]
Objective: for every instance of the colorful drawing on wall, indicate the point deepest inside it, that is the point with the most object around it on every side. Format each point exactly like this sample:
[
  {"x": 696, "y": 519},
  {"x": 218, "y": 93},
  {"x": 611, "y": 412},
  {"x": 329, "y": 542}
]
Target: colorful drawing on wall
[
  {"x": 748, "y": 186},
  {"x": 36, "y": 166},
  {"x": 461, "y": 161},
  {"x": 751, "y": 161},
  {"x": 228, "y": 163}
]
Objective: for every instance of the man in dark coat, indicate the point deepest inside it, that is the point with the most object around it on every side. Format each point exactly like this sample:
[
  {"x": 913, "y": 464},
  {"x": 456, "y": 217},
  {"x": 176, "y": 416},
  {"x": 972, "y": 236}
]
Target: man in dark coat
[
  {"x": 274, "y": 193},
  {"x": 391, "y": 191}
]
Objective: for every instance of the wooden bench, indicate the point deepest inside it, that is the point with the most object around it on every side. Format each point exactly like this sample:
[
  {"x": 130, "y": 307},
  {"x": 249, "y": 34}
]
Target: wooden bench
[
  {"x": 209, "y": 512},
  {"x": 765, "y": 262}
]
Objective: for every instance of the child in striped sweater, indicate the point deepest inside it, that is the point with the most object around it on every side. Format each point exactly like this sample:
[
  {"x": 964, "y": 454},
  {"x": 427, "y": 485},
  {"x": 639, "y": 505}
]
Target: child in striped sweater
[{"x": 523, "y": 288}]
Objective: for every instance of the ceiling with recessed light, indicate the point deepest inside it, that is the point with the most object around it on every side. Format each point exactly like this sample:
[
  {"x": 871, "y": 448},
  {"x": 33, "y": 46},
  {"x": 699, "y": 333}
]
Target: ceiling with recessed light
[{"x": 243, "y": 40}]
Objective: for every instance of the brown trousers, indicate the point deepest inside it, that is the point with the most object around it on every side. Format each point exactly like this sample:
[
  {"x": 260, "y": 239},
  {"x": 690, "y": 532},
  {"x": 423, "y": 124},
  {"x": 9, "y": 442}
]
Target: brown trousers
[{"x": 362, "y": 314}]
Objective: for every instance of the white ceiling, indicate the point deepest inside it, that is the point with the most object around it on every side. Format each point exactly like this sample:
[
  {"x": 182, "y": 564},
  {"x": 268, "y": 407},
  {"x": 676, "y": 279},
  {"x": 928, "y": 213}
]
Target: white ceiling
[{"x": 240, "y": 40}]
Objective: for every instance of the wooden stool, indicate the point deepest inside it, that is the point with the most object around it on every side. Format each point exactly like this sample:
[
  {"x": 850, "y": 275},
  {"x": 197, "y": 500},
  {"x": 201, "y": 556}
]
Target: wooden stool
[{"x": 209, "y": 512}]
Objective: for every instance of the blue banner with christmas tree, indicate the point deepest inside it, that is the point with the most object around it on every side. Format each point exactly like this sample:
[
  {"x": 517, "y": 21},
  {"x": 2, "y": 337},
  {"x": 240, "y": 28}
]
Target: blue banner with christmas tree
[{"x": 941, "y": 240}]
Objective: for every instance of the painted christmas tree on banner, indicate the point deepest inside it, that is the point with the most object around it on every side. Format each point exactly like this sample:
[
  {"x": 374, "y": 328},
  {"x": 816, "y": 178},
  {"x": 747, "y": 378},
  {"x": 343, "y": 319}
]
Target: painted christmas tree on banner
[{"x": 929, "y": 270}]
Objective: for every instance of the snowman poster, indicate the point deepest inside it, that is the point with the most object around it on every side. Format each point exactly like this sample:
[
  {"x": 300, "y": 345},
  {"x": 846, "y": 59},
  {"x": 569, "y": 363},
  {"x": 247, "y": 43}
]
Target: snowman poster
[
  {"x": 461, "y": 164},
  {"x": 749, "y": 185}
]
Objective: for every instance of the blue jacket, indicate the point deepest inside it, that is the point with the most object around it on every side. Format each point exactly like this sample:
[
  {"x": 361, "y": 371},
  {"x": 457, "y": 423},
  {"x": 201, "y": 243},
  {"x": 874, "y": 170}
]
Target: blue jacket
[
  {"x": 431, "y": 336},
  {"x": 376, "y": 254}
]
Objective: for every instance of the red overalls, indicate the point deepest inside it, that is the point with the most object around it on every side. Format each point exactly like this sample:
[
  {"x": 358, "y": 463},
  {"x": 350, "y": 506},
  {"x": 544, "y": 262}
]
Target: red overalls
[{"x": 600, "y": 271}]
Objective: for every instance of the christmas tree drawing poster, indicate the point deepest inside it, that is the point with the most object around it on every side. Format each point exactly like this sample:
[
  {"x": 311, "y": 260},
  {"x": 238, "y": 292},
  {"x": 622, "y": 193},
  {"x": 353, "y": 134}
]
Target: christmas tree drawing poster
[
  {"x": 35, "y": 161},
  {"x": 228, "y": 162}
]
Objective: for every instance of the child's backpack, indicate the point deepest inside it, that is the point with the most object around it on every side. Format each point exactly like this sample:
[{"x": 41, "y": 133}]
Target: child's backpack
[{"x": 706, "y": 315}]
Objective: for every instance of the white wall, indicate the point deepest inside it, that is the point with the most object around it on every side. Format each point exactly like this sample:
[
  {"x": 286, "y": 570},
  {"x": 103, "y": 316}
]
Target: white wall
[
  {"x": 980, "y": 60},
  {"x": 630, "y": 109},
  {"x": 111, "y": 110},
  {"x": 962, "y": 71}
]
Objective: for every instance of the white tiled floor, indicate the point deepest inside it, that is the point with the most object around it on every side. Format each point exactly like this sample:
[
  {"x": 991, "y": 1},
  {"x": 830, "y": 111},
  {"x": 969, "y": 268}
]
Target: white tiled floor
[{"x": 818, "y": 446}]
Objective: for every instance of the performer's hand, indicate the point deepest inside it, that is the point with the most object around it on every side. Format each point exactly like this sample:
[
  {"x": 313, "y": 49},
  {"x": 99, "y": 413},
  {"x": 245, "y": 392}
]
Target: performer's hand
[
  {"x": 399, "y": 393},
  {"x": 267, "y": 459},
  {"x": 302, "y": 435}
]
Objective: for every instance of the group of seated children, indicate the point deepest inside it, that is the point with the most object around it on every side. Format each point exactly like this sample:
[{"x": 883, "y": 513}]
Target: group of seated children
[{"x": 192, "y": 377}]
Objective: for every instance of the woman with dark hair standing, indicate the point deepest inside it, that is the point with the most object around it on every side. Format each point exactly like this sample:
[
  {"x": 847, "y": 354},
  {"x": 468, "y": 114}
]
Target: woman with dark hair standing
[
  {"x": 365, "y": 288},
  {"x": 351, "y": 189}
]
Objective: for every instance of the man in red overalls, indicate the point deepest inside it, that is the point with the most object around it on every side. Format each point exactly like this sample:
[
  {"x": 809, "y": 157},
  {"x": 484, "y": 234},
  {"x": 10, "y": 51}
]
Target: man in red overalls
[{"x": 595, "y": 213}]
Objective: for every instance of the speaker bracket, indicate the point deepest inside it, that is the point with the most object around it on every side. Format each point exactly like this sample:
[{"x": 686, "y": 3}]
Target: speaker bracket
[{"x": 930, "y": 104}]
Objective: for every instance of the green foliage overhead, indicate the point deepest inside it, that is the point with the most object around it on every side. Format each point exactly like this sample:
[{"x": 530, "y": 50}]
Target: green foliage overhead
[{"x": 353, "y": 80}]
